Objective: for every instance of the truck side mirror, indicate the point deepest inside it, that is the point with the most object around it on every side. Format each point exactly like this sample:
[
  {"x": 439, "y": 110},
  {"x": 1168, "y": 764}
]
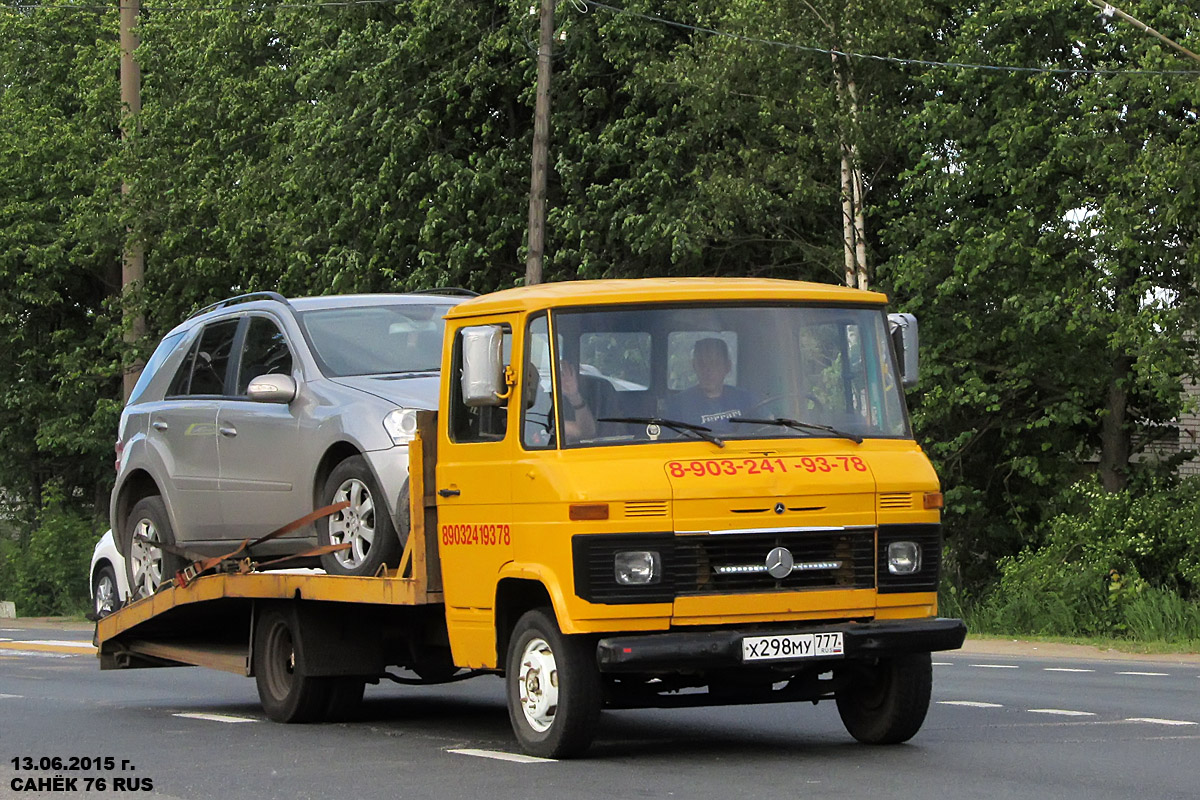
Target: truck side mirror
[
  {"x": 483, "y": 380},
  {"x": 903, "y": 328}
]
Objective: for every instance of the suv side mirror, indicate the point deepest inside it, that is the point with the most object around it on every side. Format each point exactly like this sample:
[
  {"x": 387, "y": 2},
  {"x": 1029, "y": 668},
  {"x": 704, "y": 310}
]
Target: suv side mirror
[
  {"x": 483, "y": 381},
  {"x": 903, "y": 328},
  {"x": 272, "y": 389}
]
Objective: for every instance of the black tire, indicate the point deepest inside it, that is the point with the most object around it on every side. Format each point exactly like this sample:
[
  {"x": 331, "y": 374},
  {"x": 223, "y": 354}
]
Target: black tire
[
  {"x": 148, "y": 568},
  {"x": 286, "y": 694},
  {"x": 105, "y": 597},
  {"x": 888, "y": 703},
  {"x": 545, "y": 726},
  {"x": 352, "y": 479},
  {"x": 345, "y": 698}
]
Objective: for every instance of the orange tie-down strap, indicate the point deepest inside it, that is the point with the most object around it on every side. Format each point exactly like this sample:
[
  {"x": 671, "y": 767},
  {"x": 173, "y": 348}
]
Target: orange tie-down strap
[{"x": 201, "y": 565}]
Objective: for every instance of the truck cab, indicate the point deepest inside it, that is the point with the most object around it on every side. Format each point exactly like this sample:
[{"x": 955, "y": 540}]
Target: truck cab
[{"x": 684, "y": 491}]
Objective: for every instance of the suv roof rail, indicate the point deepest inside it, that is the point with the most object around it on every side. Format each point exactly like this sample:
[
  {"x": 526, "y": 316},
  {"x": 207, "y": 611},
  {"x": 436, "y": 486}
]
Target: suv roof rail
[
  {"x": 242, "y": 298},
  {"x": 451, "y": 291}
]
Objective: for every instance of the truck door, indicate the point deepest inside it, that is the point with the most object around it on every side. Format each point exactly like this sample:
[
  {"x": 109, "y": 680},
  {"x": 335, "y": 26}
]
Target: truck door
[{"x": 476, "y": 449}]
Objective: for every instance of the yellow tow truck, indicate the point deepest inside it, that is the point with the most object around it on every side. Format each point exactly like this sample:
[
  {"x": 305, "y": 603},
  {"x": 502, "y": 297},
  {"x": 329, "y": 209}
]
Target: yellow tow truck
[{"x": 635, "y": 493}]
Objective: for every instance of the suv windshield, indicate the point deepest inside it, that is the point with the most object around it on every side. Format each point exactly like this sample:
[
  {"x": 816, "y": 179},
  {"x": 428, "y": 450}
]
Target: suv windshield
[
  {"x": 741, "y": 372},
  {"x": 376, "y": 340}
]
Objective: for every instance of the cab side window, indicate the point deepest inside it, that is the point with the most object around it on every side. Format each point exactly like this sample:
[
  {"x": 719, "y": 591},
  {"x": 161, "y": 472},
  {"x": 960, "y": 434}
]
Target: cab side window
[
  {"x": 477, "y": 423},
  {"x": 265, "y": 352},
  {"x": 203, "y": 371}
]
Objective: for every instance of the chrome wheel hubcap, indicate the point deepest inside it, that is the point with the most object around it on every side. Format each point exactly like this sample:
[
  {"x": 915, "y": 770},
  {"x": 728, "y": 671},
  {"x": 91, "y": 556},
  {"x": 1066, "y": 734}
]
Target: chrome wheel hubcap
[
  {"x": 537, "y": 685},
  {"x": 355, "y": 525}
]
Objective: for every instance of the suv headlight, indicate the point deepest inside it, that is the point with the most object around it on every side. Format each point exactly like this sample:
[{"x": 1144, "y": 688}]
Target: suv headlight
[{"x": 401, "y": 425}]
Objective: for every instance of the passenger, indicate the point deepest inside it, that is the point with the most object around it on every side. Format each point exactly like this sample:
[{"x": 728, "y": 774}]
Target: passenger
[
  {"x": 711, "y": 402},
  {"x": 577, "y": 419}
]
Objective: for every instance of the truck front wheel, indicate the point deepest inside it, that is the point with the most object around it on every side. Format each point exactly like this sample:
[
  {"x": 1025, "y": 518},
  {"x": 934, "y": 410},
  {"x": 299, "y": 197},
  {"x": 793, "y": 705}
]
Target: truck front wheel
[
  {"x": 287, "y": 695},
  {"x": 887, "y": 703},
  {"x": 553, "y": 686}
]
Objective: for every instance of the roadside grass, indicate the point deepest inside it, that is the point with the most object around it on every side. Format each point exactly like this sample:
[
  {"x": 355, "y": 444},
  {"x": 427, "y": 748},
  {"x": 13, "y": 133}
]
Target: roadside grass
[{"x": 1150, "y": 621}]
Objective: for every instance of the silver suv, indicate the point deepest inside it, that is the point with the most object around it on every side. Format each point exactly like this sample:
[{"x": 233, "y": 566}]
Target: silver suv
[{"x": 257, "y": 410}]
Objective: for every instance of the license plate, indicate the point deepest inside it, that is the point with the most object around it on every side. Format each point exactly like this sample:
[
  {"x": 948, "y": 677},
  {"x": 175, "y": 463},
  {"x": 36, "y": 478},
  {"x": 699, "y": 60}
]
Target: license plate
[{"x": 792, "y": 645}]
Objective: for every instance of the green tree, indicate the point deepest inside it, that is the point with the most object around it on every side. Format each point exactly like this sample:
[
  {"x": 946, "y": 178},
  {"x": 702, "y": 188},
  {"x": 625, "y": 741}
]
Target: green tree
[{"x": 1047, "y": 239}]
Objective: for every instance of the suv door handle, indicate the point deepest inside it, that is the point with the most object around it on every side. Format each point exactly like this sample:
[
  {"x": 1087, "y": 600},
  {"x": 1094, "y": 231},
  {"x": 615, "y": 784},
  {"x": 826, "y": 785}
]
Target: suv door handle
[
  {"x": 228, "y": 430},
  {"x": 159, "y": 425},
  {"x": 449, "y": 492}
]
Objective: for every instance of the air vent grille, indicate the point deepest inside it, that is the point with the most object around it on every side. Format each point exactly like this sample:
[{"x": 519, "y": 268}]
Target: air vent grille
[
  {"x": 895, "y": 500},
  {"x": 646, "y": 508}
]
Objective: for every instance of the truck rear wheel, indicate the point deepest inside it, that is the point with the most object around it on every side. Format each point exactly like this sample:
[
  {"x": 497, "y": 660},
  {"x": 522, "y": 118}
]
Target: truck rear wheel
[
  {"x": 287, "y": 695},
  {"x": 553, "y": 687},
  {"x": 887, "y": 703}
]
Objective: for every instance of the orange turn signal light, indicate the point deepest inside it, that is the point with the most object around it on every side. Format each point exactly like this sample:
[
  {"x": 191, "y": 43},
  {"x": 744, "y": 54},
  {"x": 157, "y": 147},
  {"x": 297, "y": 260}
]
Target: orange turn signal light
[
  {"x": 581, "y": 511},
  {"x": 934, "y": 500}
]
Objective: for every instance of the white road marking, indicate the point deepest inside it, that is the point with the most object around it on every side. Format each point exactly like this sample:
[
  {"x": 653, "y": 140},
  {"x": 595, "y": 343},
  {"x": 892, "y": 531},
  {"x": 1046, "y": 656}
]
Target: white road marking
[
  {"x": 969, "y": 704},
  {"x": 943, "y": 664},
  {"x": 39, "y": 653},
  {"x": 1156, "y": 721},
  {"x": 1067, "y": 669},
  {"x": 1062, "y": 712},
  {"x": 1147, "y": 674},
  {"x": 214, "y": 717},
  {"x": 500, "y": 756},
  {"x": 61, "y": 643},
  {"x": 10, "y": 696},
  {"x": 996, "y": 666}
]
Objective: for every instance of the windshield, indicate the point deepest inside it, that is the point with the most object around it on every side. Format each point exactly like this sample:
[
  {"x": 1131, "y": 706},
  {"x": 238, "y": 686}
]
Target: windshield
[
  {"x": 745, "y": 372},
  {"x": 376, "y": 340}
]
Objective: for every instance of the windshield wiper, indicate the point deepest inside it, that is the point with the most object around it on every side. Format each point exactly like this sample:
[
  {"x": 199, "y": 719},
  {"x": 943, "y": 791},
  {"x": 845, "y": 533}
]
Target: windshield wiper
[
  {"x": 675, "y": 425},
  {"x": 797, "y": 425}
]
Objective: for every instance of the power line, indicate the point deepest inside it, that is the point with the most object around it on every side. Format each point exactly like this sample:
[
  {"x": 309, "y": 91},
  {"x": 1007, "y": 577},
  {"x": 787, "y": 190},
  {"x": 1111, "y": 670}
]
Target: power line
[
  {"x": 886, "y": 59},
  {"x": 907, "y": 62}
]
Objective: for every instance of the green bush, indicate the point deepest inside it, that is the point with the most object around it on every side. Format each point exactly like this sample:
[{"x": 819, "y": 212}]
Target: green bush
[
  {"x": 1113, "y": 564},
  {"x": 49, "y": 575}
]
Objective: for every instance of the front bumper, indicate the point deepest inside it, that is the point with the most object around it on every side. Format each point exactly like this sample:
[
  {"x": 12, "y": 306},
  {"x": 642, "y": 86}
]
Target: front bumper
[{"x": 687, "y": 651}]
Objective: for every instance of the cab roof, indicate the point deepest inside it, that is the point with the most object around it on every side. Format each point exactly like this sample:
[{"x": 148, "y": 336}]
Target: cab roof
[{"x": 660, "y": 290}]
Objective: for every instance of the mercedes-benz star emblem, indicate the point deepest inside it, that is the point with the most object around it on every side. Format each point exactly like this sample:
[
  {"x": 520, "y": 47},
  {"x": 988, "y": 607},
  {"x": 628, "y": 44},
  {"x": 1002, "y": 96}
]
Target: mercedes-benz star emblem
[
  {"x": 780, "y": 563},
  {"x": 780, "y": 508}
]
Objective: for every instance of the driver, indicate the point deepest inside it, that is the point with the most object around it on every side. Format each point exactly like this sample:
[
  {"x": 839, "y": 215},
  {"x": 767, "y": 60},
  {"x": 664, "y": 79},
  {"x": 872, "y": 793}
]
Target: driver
[{"x": 711, "y": 402}]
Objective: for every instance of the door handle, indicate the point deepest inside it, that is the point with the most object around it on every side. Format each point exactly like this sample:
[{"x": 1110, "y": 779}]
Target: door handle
[
  {"x": 449, "y": 492},
  {"x": 228, "y": 430},
  {"x": 159, "y": 425}
]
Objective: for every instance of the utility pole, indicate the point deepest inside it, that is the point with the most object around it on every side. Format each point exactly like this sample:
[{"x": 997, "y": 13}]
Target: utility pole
[
  {"x": 541, "y": 147},
  {"x": 854, "y": 226},
  {"x": 1108, "y": 9},
  {"x": 133, "y": 259}
]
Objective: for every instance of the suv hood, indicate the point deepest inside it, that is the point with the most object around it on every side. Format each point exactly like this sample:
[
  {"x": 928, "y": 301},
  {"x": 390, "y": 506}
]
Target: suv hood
[{"x": 406, "y": 389}]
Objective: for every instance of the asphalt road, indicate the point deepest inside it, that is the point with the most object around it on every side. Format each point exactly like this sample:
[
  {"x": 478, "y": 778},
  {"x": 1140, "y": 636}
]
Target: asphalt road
[{"x": 1012, "y": 722}]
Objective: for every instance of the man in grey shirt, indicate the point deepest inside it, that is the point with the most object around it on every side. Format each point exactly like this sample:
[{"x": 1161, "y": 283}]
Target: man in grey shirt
[{"x": 711, "y": 402}]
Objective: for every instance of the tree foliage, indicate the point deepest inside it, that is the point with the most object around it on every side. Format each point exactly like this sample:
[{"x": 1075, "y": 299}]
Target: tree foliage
[{"x": 1043, "y": 225}]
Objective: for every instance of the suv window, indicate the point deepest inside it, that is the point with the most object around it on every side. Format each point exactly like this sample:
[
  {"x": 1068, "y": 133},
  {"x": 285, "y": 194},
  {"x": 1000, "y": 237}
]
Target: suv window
[
  {"x": 265, "y": 352},
  {"x": 164, "y": 349},
  {"x": 203, "y": 371}
]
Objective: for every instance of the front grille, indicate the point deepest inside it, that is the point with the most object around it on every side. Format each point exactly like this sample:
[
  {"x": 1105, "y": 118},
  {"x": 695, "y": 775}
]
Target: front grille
[
  {"x": 720, "y": 564},
  {"x": 713, "y": 564}
]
